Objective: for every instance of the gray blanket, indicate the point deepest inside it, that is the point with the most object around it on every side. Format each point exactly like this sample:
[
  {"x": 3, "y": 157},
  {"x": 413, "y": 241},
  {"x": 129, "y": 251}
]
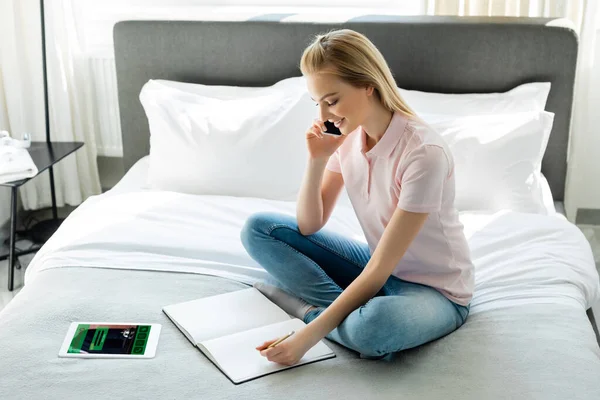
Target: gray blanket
[{"x": 534, "y": 352}]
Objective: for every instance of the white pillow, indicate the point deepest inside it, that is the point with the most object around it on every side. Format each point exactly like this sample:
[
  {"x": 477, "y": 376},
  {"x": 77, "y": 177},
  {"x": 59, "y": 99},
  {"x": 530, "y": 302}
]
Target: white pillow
[
  {"x": 497, "y": 159},
  {"x": 246, "y": 141},
  {"x": 523, "y": 98},
  {"x": 225, "y": 140}
]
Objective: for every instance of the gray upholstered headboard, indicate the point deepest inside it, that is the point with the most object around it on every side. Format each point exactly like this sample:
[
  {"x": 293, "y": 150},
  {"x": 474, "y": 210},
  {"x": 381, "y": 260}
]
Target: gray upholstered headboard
[{"x": 435, "y": 54}]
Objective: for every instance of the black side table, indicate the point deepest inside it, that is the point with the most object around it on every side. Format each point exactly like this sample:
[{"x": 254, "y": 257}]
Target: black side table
[{"x": 44, "y": 155}]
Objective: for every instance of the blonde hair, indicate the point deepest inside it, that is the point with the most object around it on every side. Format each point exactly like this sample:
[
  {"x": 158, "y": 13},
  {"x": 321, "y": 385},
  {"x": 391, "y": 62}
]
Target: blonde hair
[{"x": 353, "y": 58}]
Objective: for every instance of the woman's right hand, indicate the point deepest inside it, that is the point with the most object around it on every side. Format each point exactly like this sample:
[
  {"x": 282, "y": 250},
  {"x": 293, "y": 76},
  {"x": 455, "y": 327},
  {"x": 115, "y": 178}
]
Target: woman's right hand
[{"x": 319, "y": 144}]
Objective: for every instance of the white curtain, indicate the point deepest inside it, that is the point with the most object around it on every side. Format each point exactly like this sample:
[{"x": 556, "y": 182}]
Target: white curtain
[
  {"x": 583, "y": 174},
  {"x": 4, "y": 192},
  {"x": 22, "y": 99},
  {"x": 571, "y": 9}
]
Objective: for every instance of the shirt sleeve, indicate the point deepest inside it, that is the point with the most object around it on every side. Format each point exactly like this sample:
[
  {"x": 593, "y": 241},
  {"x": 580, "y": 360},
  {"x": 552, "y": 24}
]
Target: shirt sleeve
[
  {"x": 333, "y": 164},
  {"x": 422, "y": 179}
]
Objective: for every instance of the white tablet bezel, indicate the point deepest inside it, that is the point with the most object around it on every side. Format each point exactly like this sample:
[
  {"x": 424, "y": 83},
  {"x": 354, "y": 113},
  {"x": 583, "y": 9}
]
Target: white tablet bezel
[{"x": 151, "y": 345}]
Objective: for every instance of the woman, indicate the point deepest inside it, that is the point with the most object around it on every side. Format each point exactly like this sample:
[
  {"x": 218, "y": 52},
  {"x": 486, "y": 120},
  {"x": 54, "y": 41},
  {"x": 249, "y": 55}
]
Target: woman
[{"x": 413, "y": 281}]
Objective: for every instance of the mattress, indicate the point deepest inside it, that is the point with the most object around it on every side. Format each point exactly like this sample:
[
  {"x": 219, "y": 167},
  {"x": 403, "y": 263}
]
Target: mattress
[
  {"x": 126, "y": 253},
  {"x": 520, "y": 258}
]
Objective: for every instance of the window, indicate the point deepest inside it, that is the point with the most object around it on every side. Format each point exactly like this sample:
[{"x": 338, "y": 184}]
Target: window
[{"x": 95, "y": 20}]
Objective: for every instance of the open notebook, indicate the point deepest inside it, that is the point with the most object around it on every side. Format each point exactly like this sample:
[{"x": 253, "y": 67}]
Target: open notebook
[{"x": 228, "y": 327}]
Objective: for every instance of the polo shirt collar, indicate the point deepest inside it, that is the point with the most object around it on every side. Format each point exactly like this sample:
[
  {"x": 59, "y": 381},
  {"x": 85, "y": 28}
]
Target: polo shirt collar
[{"x": 390, "y": 138}]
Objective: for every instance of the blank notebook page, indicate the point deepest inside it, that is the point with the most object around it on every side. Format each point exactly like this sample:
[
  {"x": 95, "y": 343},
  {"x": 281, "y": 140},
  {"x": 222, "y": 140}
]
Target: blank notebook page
[
  {"x": 237, "y": 356},
  {"x": 221, "y": 315}
]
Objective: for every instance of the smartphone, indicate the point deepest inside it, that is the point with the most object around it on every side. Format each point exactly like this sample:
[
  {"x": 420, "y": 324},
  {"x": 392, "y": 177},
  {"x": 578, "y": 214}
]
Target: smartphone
[
  {"x": 331, "y": 129},
  {"x": 110, "y": 340}
]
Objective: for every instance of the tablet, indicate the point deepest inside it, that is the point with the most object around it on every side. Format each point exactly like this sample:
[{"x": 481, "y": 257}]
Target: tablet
[{"x": 110, "y": 340}]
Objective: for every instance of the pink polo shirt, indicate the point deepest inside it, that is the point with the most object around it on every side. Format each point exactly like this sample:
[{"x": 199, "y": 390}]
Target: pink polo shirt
[{"x": 410, "y": 168}]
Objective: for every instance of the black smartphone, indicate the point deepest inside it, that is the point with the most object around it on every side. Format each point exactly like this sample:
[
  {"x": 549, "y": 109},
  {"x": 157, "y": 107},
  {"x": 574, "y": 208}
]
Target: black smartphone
[{"x": 331, "y": 129}]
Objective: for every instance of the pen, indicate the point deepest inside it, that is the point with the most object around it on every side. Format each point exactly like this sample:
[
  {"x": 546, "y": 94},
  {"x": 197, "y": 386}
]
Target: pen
[{"x": 280, "y": 340}]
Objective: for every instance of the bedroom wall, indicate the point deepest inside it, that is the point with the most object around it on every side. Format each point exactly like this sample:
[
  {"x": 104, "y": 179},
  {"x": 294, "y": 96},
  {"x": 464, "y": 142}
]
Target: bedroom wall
[{"x": 583, "y": 190}]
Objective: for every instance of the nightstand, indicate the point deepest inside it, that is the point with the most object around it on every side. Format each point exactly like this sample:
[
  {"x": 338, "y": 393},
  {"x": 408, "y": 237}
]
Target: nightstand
[{"x": 44, "y": 155}]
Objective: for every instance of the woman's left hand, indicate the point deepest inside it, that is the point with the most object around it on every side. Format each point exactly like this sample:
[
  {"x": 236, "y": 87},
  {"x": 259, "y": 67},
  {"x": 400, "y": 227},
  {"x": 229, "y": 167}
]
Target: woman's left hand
[{"x": 288, "y": 352}]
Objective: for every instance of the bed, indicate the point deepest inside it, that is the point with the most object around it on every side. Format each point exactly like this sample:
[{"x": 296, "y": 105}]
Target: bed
[{"x": 125, "y": 254}]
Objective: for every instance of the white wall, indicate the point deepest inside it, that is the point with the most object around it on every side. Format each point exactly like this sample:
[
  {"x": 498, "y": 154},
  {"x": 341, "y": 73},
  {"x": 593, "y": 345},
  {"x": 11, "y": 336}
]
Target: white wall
[{"x": 583, "y": 179}]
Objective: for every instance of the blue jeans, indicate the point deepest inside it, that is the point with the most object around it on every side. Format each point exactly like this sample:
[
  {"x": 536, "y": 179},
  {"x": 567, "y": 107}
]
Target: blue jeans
[{"x": 319, "y": 267}]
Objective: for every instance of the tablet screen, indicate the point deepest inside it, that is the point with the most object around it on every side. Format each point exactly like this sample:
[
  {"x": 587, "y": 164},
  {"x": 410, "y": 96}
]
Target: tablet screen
[{"x": 110, "y": 339}]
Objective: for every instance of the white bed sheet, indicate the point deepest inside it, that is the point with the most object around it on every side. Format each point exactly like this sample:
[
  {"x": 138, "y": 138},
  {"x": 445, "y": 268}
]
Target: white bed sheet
[{"x": 519, "y": 258}]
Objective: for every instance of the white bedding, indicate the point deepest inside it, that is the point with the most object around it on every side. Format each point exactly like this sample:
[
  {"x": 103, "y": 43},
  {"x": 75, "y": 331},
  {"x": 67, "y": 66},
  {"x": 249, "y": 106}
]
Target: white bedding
[{"x": 519, "y": 258}]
